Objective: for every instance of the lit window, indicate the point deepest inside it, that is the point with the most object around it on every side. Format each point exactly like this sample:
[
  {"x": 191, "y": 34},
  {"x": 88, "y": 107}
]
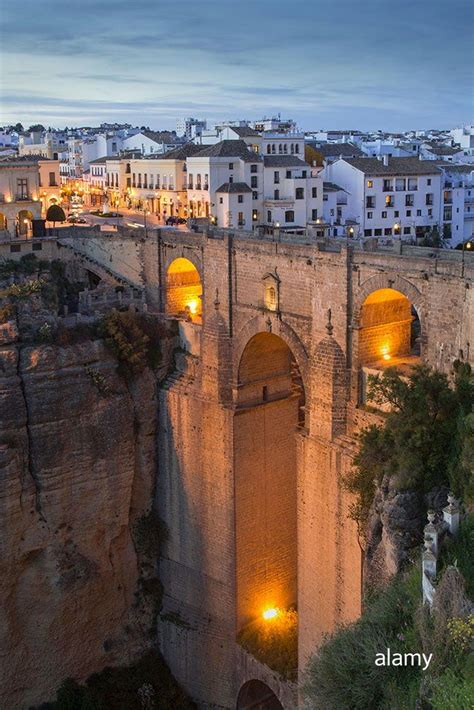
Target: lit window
[{"x": 370, "y": 183}]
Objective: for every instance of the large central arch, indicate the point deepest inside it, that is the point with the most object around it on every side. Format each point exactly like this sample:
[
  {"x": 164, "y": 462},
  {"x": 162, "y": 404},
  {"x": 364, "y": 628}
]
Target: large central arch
[{"x": 269, "y": 410}]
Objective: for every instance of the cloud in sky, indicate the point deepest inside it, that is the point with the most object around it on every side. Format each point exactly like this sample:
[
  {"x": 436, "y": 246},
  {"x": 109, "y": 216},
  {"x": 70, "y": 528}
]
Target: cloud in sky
[{"x": 367, "y": 64}]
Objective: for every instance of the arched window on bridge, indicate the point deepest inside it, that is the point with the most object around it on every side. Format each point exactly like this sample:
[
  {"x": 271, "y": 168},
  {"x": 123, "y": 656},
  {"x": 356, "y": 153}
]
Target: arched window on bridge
[
  {"x": 255, "y": 695},
  {"x": 184, "y": 290},
  {"x": 389, "y": 334}
]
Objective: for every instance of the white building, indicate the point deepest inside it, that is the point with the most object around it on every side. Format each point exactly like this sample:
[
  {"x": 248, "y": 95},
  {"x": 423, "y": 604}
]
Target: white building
[
  {"x": 458, "y": 202},
  {"x": 464, "y": 136},
  {"x": 391, "y": 196},
  {"x": 237, "y": 187},
  {"x": 189, "y": 128},
  {"x": 293, "y": 192},
  {"x": 150, "y": 142}
]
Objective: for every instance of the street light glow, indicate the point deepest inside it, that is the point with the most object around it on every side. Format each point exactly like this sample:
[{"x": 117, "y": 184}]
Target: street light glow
[{"x": 269, "y": 614}]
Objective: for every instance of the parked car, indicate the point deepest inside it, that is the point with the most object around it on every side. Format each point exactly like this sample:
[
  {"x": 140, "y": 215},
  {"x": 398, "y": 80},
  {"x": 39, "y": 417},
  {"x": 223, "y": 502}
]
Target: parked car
[{"x": 172, "y": 220}]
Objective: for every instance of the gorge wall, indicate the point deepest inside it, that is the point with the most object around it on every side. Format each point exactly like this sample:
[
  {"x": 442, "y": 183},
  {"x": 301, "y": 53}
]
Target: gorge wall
[{"x": 78, "y": 463}]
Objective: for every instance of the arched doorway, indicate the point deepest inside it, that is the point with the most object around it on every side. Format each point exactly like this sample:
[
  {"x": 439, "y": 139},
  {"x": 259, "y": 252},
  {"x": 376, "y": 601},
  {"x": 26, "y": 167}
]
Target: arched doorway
[
  {"x": 184, "y": 290},
  {"x": 390, "y": 329},
  {"x": 255, "y": 695},
  {"x": 269, "y": 410},
  {"x": 25, "y": 223},
  {"x": 389, "y": 336}
]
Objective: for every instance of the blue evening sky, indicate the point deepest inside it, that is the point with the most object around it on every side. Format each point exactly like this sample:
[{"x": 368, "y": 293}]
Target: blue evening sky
[{"x": 365, "y": 64}]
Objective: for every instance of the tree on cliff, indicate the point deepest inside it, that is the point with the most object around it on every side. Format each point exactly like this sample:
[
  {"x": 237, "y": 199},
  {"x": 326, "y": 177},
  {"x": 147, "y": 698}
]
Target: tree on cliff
[
  {"x": 425, "y": 439},
  {"x": 55, "y": 214}
]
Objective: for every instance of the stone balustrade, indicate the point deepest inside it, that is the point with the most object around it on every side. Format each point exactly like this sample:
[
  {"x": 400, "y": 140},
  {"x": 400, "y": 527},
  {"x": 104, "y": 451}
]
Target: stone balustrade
[{"x": 434, "y": 532}]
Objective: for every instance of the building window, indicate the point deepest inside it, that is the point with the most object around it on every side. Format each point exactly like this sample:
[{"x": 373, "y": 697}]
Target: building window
[
  {"x": 269, "y": 216},
  {"x": 378, "y": 232},
  {"x": 396, "y": 213},
  {"x": 429, "y": 198},
  {"x": 406, "y": 230},
  {"x": 314, "y": 192},
  {"x": 370, "y": 201},
  {"x": 370, "y": 215},
  {"x": 241, "y": 219},
  {"x": 289, "y": 216},
  {"x": 221, "y": 200},
  {"x": 22, "y": 187},
  {"x": 400, "y": 184},
  {"x": 276, "y": 177},
  {"x": 314, "y": 215},
  {"x": 370, "y": 183},
  {"x": 367, "y": 232},
  {"x": 418, "y": 213},
  {"x": 254, "y": 195},
  {"x": 288, "y": 174},
  {"x": 276, "y": 194},
  {"x": 231, "y": 166},
  {"x": 387, "y": 185},
  {"x": 240, "y": 198},
  {"x": 388, "y": 201},
  {"x": 408, "y": 213},
  {"x": 387, "y": 231},
  {"x": 254, "y": 181},
  {"x": 231, "y": 179},
  {"x": 52, "y": 180},
  {"x": 428, "y": 182},
  {"x": 253, "y": 168},
  {"x": 299, "y": 193},
  {"x": 297, "y": 148},
  {"x": 409, "y": 200},
  {"x": 384, "y": 215}
]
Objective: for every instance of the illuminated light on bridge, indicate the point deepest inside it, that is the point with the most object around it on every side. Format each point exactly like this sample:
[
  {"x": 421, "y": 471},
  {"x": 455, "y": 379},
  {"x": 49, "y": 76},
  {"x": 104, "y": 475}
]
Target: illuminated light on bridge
[
  {"x": 270, "y": 614},
  {"x": 193, "y": 306}
]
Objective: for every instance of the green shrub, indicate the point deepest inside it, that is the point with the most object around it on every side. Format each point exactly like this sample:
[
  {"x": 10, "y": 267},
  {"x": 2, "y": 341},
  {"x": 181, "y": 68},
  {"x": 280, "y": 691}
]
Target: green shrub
[
  {"x": 452, "y": 692},
  {"x": 343, "y": 674},
  {"x": 425, "y": 441}
]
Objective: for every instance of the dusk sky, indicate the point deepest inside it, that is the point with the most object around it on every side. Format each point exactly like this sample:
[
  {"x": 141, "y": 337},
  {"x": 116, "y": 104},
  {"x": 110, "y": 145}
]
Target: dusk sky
[{"x": 325, "y": 63}]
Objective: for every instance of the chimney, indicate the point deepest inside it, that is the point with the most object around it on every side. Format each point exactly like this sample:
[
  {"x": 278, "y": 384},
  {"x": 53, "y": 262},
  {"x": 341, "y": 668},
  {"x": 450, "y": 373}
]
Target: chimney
[{"x": 385, "y": 160}]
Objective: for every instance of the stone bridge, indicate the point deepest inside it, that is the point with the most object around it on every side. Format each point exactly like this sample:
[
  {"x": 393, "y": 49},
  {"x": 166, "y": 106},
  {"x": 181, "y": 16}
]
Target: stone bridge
[{"x": 256, "y": 428}]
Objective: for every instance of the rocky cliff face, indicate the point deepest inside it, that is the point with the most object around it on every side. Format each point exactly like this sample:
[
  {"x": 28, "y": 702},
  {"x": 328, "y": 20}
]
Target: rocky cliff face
[
  {"x": 77, "y": 468},
  {"x": 395, "y": 530}
]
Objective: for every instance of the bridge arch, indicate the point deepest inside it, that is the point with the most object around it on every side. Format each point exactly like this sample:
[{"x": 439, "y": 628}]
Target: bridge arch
[
  {"x": 270, "y": 323},
  {"x": 390, "y": 280},
  {"x": 255, "y": 695},
  {"x": 184, "y": 289},
  {"x": 270, "y": 408}
]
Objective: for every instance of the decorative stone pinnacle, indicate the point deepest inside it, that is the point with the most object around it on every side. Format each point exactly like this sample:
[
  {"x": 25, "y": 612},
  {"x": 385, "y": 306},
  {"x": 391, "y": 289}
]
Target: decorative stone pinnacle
[
  {"x": 269, "y": 324},
  {"x": 329, "y": 325},
  {"x": 431, "y": 516}
]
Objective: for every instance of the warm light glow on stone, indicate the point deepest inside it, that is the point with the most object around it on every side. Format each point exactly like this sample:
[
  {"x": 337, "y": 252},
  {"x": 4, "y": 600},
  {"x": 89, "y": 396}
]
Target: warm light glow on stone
[
  {"x": 385, "y": 352},
  {"x": 269, "y": 614},
  {"x": 193, "y": 306}
]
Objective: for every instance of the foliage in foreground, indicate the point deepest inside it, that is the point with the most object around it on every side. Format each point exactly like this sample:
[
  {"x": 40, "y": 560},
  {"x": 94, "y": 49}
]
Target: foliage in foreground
[
  {"x": 426, "y": 440},
  {"x": 274, "y": 642},
  {"x": 145, "y": 684},
  {"x": 343, "y": 675}
]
